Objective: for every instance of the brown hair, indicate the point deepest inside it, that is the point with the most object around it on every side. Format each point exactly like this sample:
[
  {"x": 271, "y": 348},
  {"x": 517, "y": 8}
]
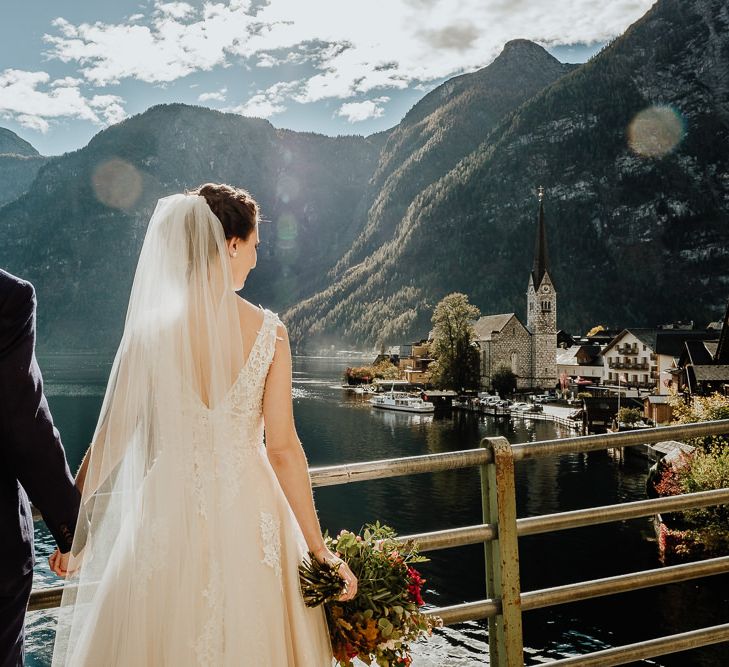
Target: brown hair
[{"x": 234, "y": 207}]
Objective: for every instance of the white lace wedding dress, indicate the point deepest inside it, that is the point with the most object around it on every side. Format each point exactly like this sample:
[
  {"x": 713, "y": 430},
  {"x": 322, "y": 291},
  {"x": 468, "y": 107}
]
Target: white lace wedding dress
[{"x": 214, "y": 576}]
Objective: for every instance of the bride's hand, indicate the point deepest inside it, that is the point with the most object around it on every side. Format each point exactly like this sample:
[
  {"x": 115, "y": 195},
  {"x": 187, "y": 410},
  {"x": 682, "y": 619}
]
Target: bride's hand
[{"x": 325, "y": 555}]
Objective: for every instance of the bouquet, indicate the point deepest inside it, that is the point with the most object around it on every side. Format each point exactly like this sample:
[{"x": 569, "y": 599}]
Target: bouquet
[{"x": 380, "y": 622}]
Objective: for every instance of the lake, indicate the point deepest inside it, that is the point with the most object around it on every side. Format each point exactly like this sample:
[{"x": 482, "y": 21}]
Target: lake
[{"x": 337, "y": 427}]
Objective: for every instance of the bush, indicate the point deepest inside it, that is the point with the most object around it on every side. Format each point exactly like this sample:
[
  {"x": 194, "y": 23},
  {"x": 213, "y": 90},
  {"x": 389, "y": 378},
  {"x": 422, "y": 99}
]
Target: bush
[
  {"x": 629, "y": 415},
  {"x": 382, "y": 369},
  {"x": 503, "y": 381},
  {"x": 700, "y": 409},
  {"x": 705, "y": 530}
]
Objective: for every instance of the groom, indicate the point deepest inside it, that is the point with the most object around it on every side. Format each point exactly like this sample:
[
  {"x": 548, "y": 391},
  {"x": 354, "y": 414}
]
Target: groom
[{"x": 32, "y": 462}]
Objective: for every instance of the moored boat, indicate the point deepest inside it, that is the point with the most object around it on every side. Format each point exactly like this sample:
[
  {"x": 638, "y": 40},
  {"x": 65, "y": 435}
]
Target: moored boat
[{"x": 402, "y": 401}]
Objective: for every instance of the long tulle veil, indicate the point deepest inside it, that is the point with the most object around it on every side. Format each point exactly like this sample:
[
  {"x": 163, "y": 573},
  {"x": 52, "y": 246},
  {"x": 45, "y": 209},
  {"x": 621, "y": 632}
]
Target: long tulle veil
[{"x": 182, "y": 342}]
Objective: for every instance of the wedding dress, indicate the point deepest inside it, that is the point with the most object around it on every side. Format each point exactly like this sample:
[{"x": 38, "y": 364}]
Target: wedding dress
[{"x": 190, "y": 550}]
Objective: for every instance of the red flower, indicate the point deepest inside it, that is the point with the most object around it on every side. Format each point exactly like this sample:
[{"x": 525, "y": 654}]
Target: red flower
[{"x": 416, "y": 583}]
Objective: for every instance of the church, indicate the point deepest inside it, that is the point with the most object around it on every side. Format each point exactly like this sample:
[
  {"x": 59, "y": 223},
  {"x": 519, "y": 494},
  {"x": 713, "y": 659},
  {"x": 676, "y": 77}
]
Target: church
[{"x": 530, "y": 351}]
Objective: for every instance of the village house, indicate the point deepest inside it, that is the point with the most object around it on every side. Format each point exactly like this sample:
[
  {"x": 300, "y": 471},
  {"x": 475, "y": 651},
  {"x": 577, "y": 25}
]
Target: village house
[
  {"x": 581, "y": 361},
  {"x": 703, "y": 366},
  {"x": 647, "y": 358}
]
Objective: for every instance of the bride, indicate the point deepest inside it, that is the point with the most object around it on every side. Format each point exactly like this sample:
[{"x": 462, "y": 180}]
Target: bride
[{"x": 191, "y": 527}]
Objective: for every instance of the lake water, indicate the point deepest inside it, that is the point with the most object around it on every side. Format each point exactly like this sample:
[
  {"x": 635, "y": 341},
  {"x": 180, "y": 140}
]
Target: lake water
[{"x": 336, "y": 427}]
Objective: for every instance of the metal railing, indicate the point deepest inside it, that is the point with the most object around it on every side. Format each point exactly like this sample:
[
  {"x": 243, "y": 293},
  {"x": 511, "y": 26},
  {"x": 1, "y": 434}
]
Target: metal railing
[{"x": 500, "y": 531}]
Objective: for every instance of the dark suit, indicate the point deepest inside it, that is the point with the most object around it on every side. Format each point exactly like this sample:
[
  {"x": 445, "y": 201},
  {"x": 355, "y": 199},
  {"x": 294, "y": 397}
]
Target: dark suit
[{"x": 32, "y": 462}]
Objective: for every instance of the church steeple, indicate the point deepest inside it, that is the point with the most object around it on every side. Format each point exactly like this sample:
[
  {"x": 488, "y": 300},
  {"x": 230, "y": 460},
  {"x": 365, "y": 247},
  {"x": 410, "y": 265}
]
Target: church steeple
[
  {"x": 541, "y": 259},
  {"x": 542, "y": 310},
  {"x": 721, "y": 356}
]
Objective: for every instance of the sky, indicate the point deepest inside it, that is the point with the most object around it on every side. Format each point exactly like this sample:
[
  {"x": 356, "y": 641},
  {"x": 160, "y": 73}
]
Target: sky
[{"x": 70, "y": 69}]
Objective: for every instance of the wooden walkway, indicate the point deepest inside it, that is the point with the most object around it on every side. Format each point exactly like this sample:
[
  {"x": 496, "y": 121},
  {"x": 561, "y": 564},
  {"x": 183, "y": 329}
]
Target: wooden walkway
[{"x": 505, "y": 413}]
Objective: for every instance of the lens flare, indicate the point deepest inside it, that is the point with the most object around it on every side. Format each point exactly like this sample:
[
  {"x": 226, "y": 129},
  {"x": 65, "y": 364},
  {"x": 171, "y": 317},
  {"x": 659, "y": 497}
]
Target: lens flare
[
  {"x": 117, "y": 183},
  {"x": 286, "y": 231},
  {"x": 656, "y": 131},
  {"x": 287, "y": 188}
]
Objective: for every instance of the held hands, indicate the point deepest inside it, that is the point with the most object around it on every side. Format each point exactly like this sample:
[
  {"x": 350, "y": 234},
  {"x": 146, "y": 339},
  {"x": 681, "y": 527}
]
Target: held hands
[
  {"x": 325, "y": 555},
  {"x": 59, "y": 562},
  {"x": 62, "y": 564}
]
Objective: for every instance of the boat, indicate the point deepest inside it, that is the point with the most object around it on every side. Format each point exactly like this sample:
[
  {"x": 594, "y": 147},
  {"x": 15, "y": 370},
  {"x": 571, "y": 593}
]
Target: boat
[{"x": 402, "y": 401}]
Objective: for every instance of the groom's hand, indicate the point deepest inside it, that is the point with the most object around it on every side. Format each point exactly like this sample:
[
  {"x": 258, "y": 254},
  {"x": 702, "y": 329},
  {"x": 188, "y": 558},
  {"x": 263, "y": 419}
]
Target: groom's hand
[{"x": 59, "y": 562}]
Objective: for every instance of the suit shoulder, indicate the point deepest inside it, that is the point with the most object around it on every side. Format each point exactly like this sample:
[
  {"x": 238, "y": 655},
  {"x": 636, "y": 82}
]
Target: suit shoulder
[{"x": 17, "y": 298}]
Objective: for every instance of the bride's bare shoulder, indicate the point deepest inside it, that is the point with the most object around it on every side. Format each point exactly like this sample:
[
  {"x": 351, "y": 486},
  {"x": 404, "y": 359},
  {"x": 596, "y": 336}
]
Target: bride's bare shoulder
[{"x": 249, "y": 313}]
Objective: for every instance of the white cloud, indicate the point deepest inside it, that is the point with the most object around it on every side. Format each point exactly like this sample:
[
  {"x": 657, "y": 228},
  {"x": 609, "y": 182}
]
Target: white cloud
[
  {"x": 350, "y": 49},
  {"x": 66, "y": 82},
  {"x": 31, "y": 98},
  {"x": 355, "y": 112},
  {"x": 218, "y": 96},
  {"x": 266, "y": 103},
  {"x": 258, "y": 107},
  {"x": 178, "y": 10}
]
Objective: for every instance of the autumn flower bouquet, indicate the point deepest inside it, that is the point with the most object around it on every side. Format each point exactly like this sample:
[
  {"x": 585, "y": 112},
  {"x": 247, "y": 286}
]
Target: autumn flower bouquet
[{"x": 383, "y": 619}]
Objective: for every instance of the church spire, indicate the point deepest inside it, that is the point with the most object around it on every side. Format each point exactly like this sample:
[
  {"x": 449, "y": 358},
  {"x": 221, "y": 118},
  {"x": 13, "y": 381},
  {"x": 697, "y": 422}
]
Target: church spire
[
  {"x": 541, "y": 260},
  {"x": 721, "y": 356}
]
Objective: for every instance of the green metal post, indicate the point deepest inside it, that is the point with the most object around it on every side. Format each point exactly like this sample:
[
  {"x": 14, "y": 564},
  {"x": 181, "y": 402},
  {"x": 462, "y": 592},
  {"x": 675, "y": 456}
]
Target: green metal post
[{"x": 498, "y": 499}]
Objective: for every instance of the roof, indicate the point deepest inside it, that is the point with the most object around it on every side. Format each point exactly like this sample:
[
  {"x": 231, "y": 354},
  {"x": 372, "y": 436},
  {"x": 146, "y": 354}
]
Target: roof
[
  {"x": 645, "y": 336},
  {"x": 671, "y": 342},
  {"x": 541, "y": 259},
  {"x": 489, "y": 324},
  {"x": 671, "y": 448},
  {"x": 663, "y": 341},
  {"x": 713, "y": 373},
  {"x": 567, "y": 357},
  {"x": 697, "y": 352},
  {"x": 657, "y": 400},
  {"x": 722, "y": 352}
]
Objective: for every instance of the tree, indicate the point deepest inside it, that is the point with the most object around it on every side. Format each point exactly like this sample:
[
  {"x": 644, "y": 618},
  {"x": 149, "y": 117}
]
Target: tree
[
  {"x": 629, "y": 416},
  {"x": 457, "y": 359},
  {"x": 595, "y": 330},
  {"x": 503, "y": 381}
]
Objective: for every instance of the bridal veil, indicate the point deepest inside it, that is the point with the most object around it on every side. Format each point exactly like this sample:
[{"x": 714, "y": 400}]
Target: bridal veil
[{"x": 182, "y": 341}]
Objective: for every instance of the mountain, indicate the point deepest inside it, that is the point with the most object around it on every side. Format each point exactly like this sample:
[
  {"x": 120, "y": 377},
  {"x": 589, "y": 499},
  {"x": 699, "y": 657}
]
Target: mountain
[
  {"x": 19, "y": 164},
  {"x": 77, "y": 233},
  {"x": 631, "y": 150},
  {"x": 441, "y": 129},
  {"x": 11, "y": 143}
]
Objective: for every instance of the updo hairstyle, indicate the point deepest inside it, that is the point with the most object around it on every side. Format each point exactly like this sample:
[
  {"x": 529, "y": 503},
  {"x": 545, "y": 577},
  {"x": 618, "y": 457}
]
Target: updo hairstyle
[{"x": 234, "y": 207}]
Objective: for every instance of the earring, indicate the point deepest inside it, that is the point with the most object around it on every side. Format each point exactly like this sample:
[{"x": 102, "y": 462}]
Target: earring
[{"x": 234, "y": 254}]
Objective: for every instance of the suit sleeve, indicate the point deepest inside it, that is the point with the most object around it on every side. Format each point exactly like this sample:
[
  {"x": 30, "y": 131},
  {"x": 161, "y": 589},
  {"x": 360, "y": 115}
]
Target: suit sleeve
[{"x": 30, "y": 445}]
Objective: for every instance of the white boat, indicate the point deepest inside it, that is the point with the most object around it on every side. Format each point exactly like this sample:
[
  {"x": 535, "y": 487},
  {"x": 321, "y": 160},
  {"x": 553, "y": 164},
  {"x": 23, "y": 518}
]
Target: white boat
[{"x": 402, "y": 401}]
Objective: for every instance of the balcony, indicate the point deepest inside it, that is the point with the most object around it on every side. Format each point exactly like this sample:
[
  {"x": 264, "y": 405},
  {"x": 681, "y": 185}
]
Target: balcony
[{"x": 627, "y": 349}]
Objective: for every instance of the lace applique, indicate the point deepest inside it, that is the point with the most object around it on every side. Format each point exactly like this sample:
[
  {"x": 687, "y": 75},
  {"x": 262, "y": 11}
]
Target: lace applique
[
  {"x": 152, "y": 553},
  {"x": 235, "y": 425},
  {"x": 211, "y": 634},
  {"x": 202, "y": 472},
  {"x": 270, "y": 532}
]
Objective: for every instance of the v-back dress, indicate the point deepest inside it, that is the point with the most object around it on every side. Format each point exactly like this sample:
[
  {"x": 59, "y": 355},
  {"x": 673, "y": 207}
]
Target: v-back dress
[{"x": 214, "y": 579}]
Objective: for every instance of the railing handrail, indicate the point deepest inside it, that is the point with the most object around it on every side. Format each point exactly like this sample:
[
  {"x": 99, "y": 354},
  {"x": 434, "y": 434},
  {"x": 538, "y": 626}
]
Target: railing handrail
[
  {"x": 590, "y": 516},
  {"x": 585, "y": 443},
  {"x": 345, "y": 473},
  {"x": 501, "y": 490}
]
